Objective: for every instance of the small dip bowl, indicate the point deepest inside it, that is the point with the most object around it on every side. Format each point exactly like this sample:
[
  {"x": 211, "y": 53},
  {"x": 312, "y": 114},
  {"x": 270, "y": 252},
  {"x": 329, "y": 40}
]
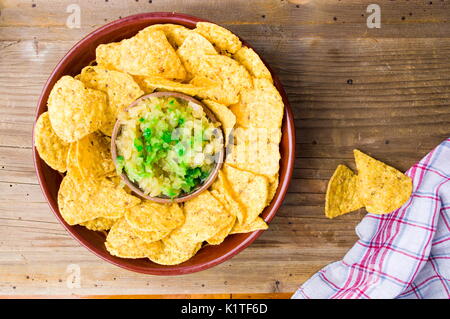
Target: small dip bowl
[{"x": 200, "y": 188}]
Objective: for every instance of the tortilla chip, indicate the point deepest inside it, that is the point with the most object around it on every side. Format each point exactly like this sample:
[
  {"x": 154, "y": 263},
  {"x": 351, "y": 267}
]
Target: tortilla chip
[
  {"x": 250, "y": 189},
  {"x": 120, "y": 88},
  {"x": 176, "y": 248},
  {"x": 222, "y": 191},
  {"x": 93, "y": 156},
  {"x": 255, "y": 150},
  {"x": 257, "y": 224},
  {"x": 218, "y": 238},
  {"x": 213, "y": 90},
  {"x": 74, "y": 110},
  {"x": 260, "y": 106},
  {"x": 253, "y": 63},
  {"x": 205, "y": 217},
  {"x": 100, "y": 223},
  {"x": 154, "y": 82},
  {"x": 72, "y": 164},
  {"x": 221, "y": 38},
  {"x": 146, "y": 54},
  {"x": 342, "y": 193},
  {"x": 148, "y": 236},
  {"x": 203, "y": 62},
  {"x": 193, "y": 49},
  {"x": 383, "y": 188},
  {"x": 175, "y": 34},
  {"x": 121, "y": 243},
  {"x": 51, "y": 148},
  {"x": 224, "y": 115},
  {"x": 151, "y": 216},
  {"x": 93, "y": 198}
]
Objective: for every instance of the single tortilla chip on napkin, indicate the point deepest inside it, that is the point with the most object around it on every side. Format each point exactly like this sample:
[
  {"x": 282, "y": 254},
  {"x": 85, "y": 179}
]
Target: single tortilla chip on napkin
[
  {"x": 342, "y": 193},
  {"x": 383, "y": 188}
]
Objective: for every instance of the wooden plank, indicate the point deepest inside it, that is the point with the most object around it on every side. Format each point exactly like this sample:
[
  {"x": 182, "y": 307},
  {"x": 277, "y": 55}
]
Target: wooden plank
[
  {"x": 257, "y": 18},
  {"x": 385, "y": 91}
]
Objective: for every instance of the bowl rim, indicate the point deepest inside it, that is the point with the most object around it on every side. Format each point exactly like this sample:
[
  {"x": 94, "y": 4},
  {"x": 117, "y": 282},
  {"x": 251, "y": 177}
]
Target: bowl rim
[
  {"x": 288, "y": 124},
  {"x": 198, "y": 190}
]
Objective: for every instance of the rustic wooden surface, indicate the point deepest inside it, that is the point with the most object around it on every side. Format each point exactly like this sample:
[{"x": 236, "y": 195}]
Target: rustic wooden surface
[{"x": 385, "y": 91}]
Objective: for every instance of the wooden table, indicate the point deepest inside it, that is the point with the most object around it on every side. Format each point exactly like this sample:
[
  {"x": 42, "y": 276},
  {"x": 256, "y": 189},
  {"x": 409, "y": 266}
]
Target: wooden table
[{"x": 385, "y": 91}]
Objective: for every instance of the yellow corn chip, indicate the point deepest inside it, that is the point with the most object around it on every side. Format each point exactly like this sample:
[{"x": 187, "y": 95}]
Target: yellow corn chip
[
  {"x": 219, "y": 237},
  {"x": 222, "y": 191},
  {"x": 255, "y": 150},
  {"x": 223, "y": 39},
  {"x": 253, "y": 63},
  {"x": 224, "y": 115},
  {"x": 176, "y": 248},
  {"x": 202, "y": 61},
  {"x": 148, "y": 236},
  {"x": 383, "y": 188},
  {"x": 93, "y": 156},
  {"x": 51, "y": 148},
  {"x": 205, "y": 217},
  {"x": 193, "y": 49},
  {"x": 250, "y": 189},
  {"x": 121, "y": 243},
  {"x": 257, "y": 224},
  {"x": 120, "y": 88},
  {"x": 176, "y": 34},
  {"x": 260, "y": 106},
  {"x": 342, "y": 193},
  {"x": 93, "y": 198},
  {"x": 74, "y": 110},
  {"x": 159, "y": 83},
  {"x": 72, "y": 164},
  {"x": 213, "y": 90},
  {"x": 99, "y": 224},
  {"x": 146, "y": 54},
  {"x": 151, "y": 216}
]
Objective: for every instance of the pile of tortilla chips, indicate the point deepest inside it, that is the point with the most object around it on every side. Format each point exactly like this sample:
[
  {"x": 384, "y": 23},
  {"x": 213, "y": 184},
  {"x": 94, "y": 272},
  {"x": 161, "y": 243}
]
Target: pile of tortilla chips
[
  {"x": 378, "y": 187},
  {"x": 209, "y": 63}
]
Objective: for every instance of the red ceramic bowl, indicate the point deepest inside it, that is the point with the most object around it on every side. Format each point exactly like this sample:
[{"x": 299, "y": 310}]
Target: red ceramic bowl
[{"x": 71, "y": 64}]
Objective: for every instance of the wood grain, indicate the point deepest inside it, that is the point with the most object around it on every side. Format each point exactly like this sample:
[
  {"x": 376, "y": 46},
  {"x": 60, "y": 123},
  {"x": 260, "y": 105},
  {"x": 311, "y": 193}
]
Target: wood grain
[{"x": 385, "y": 91}]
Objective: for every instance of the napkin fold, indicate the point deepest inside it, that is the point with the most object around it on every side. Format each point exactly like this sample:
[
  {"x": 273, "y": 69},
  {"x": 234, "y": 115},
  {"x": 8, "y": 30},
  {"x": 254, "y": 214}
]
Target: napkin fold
[{"x": 404, "y": 254}]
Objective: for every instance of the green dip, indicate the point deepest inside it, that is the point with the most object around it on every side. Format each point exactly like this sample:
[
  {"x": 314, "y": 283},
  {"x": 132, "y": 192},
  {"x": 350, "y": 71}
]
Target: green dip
[{"x": 167, "y": 146}]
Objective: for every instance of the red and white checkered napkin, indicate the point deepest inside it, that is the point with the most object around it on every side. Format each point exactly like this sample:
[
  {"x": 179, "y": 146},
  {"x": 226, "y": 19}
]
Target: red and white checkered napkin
[{"x": 404, "y": 254}]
